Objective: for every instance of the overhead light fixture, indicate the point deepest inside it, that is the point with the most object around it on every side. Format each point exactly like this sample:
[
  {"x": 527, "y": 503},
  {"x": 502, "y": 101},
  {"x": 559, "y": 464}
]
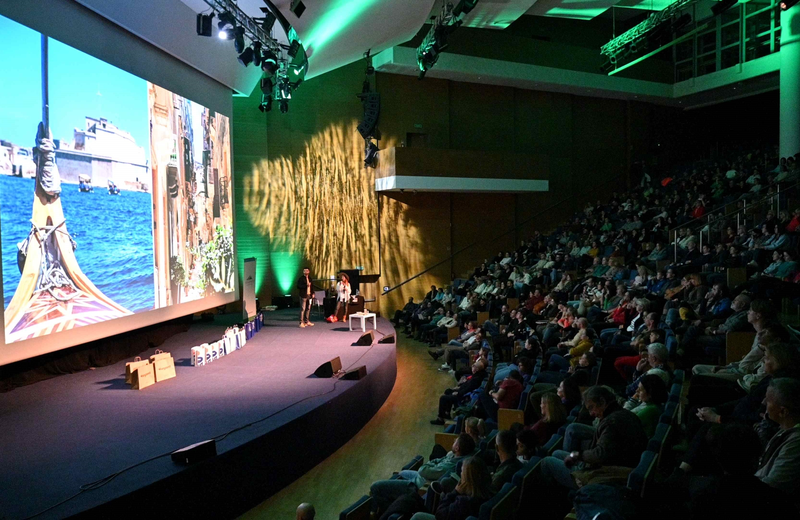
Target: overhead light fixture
[
  {"x": 722, "y": 6},
  {"x": 204, "y": 24},
  {"x": 238, "y": 39},
  {"x": 269, "y": 62},
  {"x": 257, "y": 55},
  {"x": 268, "y": 21},
  {"x": 283, "y": 104},
  {"x": 226, "y": 25},
  {"x": 266, "y": 102},
  {"x": 788, "y": 4},
  {"x": 247, "y": 56},
  {"x": 370, "y": 153},
  {"x": 266, "y": 86}
]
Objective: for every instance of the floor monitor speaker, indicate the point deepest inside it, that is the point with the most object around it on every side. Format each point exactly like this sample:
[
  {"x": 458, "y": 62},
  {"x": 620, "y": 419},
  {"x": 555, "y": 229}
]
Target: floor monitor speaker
[
  {"x": 195, "y": 453},
  {"x": 356, "y": 374},
  {"x": 329, "y": 368},
  {"x": 366, "y": 339},
  {"x": 389, "y": 338}
]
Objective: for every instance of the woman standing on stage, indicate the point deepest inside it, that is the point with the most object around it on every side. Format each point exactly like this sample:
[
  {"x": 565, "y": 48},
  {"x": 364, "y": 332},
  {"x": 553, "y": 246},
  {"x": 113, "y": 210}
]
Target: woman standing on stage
[{"x": 342, "y": 295}]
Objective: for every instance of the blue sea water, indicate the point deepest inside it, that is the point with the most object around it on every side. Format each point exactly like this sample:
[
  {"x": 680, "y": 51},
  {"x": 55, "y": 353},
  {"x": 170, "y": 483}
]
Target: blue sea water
[{"x": 114, "y": 236}]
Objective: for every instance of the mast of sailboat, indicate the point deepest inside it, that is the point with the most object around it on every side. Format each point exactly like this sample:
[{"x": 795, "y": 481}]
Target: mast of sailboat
[{"x": 45, "y": 87}]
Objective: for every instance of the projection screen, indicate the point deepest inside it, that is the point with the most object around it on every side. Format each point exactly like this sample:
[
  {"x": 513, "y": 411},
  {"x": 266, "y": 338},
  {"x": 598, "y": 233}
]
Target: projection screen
[{"x": 116, "y": 203}]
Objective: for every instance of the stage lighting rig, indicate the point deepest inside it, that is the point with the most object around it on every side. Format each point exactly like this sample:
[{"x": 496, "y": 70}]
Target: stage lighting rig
[
  {"x": 637, "y": 37},
  {"x": 226, "y": 25},
  {"x": 435, "y": 41}
]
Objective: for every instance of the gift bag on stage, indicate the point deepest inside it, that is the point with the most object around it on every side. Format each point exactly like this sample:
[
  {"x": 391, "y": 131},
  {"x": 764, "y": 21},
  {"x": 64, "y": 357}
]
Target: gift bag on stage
[
  {"x": 164, "y": 368},
  {"x": 214, "y": 351},
  {"x": 198, "y": 356},
  {"x": 133, "y": 365},
  {"x": 159, "y": 354},
  {"x": 207, "y": 351},
  {"x": 143, "y": 377},
  {"x": 221, "y": 348}
]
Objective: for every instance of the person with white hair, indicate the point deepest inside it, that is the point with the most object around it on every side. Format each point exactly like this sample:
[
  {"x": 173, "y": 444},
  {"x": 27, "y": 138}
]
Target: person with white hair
[{"x": 655, "y": 363}]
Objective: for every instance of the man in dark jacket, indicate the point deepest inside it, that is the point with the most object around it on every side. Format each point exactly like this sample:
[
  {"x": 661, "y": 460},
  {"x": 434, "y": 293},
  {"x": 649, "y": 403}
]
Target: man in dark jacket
[
  {"x": 453, "y": 396},
  {"x": 306, "y": 289},
  {"x": 619, "y": 440},
  {"x": 506, "y": 443}
]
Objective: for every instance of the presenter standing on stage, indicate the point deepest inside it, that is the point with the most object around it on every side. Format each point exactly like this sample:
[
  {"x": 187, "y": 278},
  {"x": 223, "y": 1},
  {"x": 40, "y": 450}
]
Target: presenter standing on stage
[
  {"x": 306, "y": 298},
  {"x": 342, "y": 295}
]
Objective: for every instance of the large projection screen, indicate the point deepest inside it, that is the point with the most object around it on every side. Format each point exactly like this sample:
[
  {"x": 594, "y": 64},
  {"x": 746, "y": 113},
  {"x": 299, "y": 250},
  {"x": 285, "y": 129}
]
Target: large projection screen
[{"x": 116, "y": 200}]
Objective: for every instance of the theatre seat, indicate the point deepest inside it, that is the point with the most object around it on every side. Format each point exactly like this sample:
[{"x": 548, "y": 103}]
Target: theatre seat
[{"x": 360, "y": 510}]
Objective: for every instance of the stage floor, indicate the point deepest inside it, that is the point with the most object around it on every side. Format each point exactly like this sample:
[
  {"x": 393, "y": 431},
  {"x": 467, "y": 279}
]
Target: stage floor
[{"x": 72, "y": 430}]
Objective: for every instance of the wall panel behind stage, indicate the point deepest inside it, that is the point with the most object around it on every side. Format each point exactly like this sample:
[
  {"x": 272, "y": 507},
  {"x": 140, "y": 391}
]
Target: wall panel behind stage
[{"x": 124, "y": 114}]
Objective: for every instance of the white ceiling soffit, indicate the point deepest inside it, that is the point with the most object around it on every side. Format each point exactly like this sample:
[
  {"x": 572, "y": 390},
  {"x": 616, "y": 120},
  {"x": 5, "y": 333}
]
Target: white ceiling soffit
[
  {"x": 170, "y": 25},
  {"x": 752, "y": 78},
  {"x": 457, "y": 67},
  {"x": 338, "y": 32},
  {"x": 490, "y": 14},
  {"x": 572, "y": 9}
]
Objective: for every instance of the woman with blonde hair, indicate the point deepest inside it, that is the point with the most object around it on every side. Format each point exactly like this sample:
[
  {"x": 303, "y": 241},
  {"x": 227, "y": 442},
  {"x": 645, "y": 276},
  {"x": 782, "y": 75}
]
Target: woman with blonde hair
[{"x": 554, "y": 416}]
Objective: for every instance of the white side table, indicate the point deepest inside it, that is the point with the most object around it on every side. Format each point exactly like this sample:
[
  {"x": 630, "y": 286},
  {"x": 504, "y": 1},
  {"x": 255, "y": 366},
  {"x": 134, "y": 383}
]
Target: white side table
[{"x": 363, "y": 317}]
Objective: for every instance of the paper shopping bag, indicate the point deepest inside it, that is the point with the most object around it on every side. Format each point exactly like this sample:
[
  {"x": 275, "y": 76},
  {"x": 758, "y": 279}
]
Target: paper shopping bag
[
  {"x": 133, "y": 365},
  {"x": 159, "y": 354},
  {"x": 164, "y": 368},
  {"x": 143, "y": 377},
  {"x": 221, "y": 348}
]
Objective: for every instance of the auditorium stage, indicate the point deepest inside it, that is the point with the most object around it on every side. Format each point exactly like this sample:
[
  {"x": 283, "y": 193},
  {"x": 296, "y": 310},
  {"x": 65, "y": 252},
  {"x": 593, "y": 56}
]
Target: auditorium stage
[{"x": 72, "y": 430}]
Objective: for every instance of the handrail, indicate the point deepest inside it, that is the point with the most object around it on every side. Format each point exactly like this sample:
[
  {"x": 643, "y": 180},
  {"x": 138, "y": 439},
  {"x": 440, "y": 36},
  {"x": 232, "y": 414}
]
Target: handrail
[
  {"x": 775, "y": 184},
  {"x": 705, "y": 219},
  {"x": 512, "y": 230}
]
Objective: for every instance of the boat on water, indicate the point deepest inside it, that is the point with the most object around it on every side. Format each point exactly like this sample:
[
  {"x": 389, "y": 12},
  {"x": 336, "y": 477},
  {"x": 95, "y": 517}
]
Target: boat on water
[
  {"x": 112, "y": 188},
  {"x": 53, "y": 293}
]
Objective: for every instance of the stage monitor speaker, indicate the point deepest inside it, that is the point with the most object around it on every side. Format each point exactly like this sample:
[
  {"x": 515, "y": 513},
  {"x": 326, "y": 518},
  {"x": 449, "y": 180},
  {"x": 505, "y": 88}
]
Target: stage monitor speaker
[
  {"x": 329, "y": 368},
  {"x": 365, "y": 340},
  {"x": 195, "y": 453},
  {"x": 356, "y": 374},
  {"x": 389, "y": 338}
]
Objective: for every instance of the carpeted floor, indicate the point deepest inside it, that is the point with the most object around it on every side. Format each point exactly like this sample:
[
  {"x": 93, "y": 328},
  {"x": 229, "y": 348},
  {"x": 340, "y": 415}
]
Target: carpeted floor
[{"x": 400, "y": 430}]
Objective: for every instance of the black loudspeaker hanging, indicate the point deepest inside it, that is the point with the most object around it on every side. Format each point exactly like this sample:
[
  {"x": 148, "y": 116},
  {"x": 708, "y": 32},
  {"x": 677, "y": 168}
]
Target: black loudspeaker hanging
[
  {"x": 365, "y": 340},
  {"x": 329, "y": 368},
  {"x": 372, "y": 109}
]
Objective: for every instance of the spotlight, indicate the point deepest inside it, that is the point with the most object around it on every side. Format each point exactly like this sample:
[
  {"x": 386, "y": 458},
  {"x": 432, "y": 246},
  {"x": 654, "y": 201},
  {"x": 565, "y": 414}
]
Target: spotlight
[
  {"x": 722, "y": 6},
  {"x": 370, "y": 154},
  {"x": 283, "y": 104},
  {"x": 266, "y": 102},
  {"x": 238, "y": 39},
  {"x": 269, "y": 62},
  {"x": 788, "y": 4},
  {"x": 257, "y": 54},
  {"x": 204, "y": 24},
  {"x": 247, "y": 56},
  {"x": 266, "y": 86},
  {"x": 293, "y": 48},
  {"x": 226, "y": 25},
  {"x": 268, "y": 21}
]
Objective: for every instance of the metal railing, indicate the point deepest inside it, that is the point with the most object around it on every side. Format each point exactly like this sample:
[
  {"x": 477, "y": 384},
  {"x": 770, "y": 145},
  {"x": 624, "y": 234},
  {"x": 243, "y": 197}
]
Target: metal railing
[{"x": 703, "y": 224}]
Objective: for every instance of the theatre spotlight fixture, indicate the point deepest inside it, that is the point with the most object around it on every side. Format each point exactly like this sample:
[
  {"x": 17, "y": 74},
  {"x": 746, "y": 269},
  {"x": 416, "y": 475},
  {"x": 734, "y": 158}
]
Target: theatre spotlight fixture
[
  {"x": 204, "y": 26},
  {"x": 435, "y": 41},
  {"x": 788, "y": 4},
  {"x": 370, "y": 153},
  {"x": 269, "y": 62},
  {"x": 257, "y": 55},
  {"x": 226, "y": 25},
  {"x": 238, "y": 39},
  {"x": 266, "y": 102},
  {"x": 722, "y": 6},
  {"x": 283, "y": 104},
  {"x": 266, "y": 86},
  {"x": 247, "y": 56},
  {"x": 268, "y": 21}
]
